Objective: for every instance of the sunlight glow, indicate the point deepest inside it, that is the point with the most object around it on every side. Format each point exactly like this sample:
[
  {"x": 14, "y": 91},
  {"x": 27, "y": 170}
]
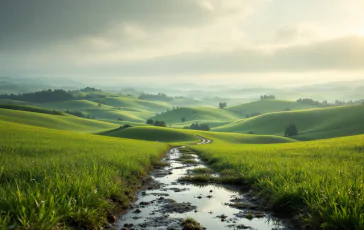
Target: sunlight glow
[{"x": 360, "y": 32}]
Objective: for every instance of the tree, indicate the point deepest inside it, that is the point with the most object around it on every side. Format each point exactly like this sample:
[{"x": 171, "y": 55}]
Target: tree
[
  {"x": 183, "y": 119},
  {"x": 291, "y": 130},
  {"x": 150, "y": 122},
  {"x": 222, "y": 105}
]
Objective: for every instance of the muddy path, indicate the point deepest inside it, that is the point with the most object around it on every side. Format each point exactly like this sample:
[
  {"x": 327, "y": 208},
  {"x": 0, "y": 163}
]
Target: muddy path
[{"x": 166, "y": 201}]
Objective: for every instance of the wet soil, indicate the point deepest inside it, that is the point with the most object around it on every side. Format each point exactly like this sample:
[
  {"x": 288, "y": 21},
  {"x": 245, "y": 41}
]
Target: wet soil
[{"x": 166, "y": 201}]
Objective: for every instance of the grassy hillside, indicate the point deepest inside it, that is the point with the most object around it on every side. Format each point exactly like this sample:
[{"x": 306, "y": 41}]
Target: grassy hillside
[
  {"x": 104, "y": 112},
  {"x": 269, "y": 106},
  {"x": 54, "y": 179},
  {"x": 321, "y": 182},
  {"x": 54, "y": 121},
  {"x": 311, "y": 124},
  {"x": 130, "y": 102},
  {"x": 196, "y": 114},
  {"x": 211, "y": 123},
  {"x": 153, "y": 133},
  {"x": 31, "y": 109}
]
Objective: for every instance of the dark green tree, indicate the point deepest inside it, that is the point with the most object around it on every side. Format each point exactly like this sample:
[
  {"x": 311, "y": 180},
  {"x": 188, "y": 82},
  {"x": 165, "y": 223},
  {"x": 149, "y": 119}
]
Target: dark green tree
[
  {"x": 183, "y": 119},
  {"x": 150, "y": 122},
  {"x": 291, "y": 130}
]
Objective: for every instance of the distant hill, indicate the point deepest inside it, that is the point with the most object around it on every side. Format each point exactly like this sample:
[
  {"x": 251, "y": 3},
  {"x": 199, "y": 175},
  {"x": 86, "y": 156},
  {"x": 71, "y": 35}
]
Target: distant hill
[
  {"x": 55, "y": 121},
  {"x": 153, "y": 133},
  {"x": 31, "y": 109},
  {"x": 269, "y": 106},
  {"x": 311, "y": 123},
  {"x": 196, "y": 114},
  {"x": 102, "y": 112}
]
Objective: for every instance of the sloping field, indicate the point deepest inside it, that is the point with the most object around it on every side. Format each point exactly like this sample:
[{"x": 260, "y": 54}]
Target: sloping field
[
  {"x": 54, "y": 121},
  {"x": 269, "y": 106},
  {"x": 129, "y": 102},
  {"x": 196, "y": 114},
  {"x": 31, "y": 109},
  {"x": 211, "y": 123},
  {"x": 311, "y": 124},
  {"x": 319, "y": 182},
  {"x": 104, "y": 112},
  {"x": 153, "y": 133},
  {"x": 54, "y": 179}
]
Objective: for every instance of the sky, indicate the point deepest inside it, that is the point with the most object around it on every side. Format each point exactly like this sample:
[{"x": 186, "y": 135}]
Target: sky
[{"x": 256, "y": 42}]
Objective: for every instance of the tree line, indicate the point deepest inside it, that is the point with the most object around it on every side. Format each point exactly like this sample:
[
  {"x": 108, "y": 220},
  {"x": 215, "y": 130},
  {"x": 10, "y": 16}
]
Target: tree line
[
  {"x": 79, "y": 114},
  {"x": 156, "y": 123},
  {"x": 324, "y": 102},
  {"x": 49, "y": 95},
  {"x": 197, "y": 126},
  {"x": 155, "y": 97},
  {"x": 267, "y": 97}
]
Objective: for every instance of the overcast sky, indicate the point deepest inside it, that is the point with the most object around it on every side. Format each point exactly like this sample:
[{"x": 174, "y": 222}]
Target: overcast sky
[{"x": 246, "y": 41}]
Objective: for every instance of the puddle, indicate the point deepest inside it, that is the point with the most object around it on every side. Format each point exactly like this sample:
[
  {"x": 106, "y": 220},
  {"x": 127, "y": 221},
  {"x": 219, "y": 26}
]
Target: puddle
[{"x": 168, "y": 201}]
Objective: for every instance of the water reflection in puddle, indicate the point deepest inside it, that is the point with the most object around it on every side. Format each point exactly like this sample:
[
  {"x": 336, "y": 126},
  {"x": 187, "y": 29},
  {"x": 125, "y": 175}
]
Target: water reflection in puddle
[{"x": 166, "y": 206}]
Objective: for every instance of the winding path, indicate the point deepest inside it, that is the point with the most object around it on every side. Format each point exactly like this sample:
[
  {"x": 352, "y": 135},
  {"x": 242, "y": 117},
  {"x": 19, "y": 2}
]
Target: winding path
[{"x": 167, "y": 201}]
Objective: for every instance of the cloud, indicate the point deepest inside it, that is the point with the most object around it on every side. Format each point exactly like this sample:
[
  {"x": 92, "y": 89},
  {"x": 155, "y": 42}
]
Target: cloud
[
  {"x": 344, "y": 54},
  {"x": 152, "y": 38}
]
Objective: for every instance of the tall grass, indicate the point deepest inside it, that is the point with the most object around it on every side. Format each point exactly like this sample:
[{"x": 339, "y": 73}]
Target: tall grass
[
  {"x": 58, "y": 179},
  {"x": 319, "y": 181}
]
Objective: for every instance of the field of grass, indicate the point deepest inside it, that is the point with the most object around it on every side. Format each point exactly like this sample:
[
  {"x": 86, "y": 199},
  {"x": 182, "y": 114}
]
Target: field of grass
[
  {"x": 105, "y": 112},
  {"x": 211, "y": 123},
  {"x": 197, "y": 114},
  {"x": 311, "y": 124},
  {"x": 153, "y": 133},
  {"x": 52, "y": 179},
  {"x": 319, "y": 181},
  {"x": 130, "y": 102},
  {"x": 71, "y": 123},
  {"x": 31, "y": 109},
  {"x": 269, "y": 106}
]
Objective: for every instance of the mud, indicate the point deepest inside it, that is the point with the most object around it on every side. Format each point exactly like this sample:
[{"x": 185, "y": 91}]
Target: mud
[{"x": 166, "y": 202}]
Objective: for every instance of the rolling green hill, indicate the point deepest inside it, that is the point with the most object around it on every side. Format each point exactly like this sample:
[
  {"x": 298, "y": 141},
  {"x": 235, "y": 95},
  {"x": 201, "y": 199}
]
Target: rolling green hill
[
  {"x": 269, "y": 106},
  {"x": 104, "y": 112},
  {"x": 197, "y": 114},
  {"x": 31, "y": 109},
  {"x": 311, "y": 124},
  {"x": 153, "y": 133},
  {"x": 211, "y": 123},
  {"x": 135, "y": 103},
  {"x": 54, "y": 121}
]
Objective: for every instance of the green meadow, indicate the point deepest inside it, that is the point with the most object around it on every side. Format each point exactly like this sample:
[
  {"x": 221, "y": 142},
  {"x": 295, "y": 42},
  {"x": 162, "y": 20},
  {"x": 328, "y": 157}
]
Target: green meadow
[
  {"x": 319, "y": 181},
  {"x": 196, "y": 114},
  {"x": 312, "y": 123},
  {"x": 52, "y": 179},
  {"x": 67, "y": 122},
  {"x": 60, "y": 171},
  {"x": 269, "y": 106}
]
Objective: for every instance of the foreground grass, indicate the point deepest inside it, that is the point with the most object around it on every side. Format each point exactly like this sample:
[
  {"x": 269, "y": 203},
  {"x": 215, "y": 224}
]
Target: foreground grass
[
  {"x": 320, "y": 181},
  {"x": 58, "y": 179}
]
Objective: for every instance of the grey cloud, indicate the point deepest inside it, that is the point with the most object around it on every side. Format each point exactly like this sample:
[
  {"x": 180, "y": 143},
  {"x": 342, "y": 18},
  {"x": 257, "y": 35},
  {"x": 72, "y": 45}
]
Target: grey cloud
[
  {"x": 339, "y": 54},
  {"x": 24, "y": 24},
  {"x": 345, "y": 54}
]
